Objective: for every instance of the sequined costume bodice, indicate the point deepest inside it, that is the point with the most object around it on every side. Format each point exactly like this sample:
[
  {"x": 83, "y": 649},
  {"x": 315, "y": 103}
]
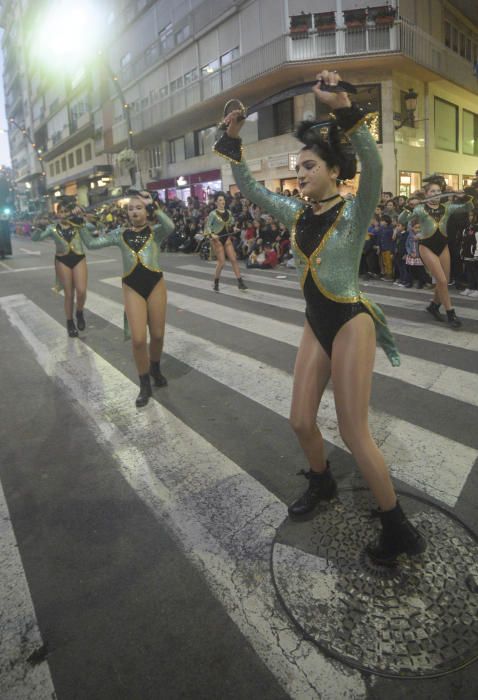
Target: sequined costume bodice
[
  {"x": 136, "y": 239},
  {"x": 219, "y": 223},
  {"x": 67, "y": 240},
  {"x": 334, "y": 263},
  {"x": 137, "y": 247},
  {"x": 432, "y": 220}
]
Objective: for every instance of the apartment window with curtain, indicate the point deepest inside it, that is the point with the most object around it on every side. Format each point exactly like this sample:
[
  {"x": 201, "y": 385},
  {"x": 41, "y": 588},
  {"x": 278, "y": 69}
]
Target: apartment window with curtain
[
  {"x": 177, "y": 150},
  {"x": 71, "y": 160},
  {"x": 446, "y": 125},
  {"x": 470, "y": 133}
]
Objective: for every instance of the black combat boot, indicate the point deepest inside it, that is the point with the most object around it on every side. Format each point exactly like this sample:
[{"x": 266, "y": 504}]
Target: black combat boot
[
  {"x": 434, "y": 309},
  {"x": 145, "y": 391},
  {"x": 80, "y": 321},
  {"x": 398, "y": 536},
  {"x": 241, "y": 284},
  {"x": 216, "y": 285},
  {"x": 155, "y": 372},
  {"x": 71, "y": 328},
  {"x": 453, "y": 321},
  {"x": 322, "y": 487}
]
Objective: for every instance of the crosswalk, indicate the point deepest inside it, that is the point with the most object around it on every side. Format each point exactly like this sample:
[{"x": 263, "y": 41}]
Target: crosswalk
[{"x": 227, "y": 529}]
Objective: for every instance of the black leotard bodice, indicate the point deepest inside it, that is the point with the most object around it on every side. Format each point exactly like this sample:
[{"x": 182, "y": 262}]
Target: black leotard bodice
[{"x": 136, "y": 239}]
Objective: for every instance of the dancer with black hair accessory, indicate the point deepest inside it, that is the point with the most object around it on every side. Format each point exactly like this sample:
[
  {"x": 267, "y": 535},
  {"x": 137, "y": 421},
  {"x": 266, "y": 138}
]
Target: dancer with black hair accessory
[
  {"x": 433, "y": 216},
  {"x": 70, "y": 260},
  {"x": 218, "y": 227},
  {"x": 144, "y": 288},
  {"x": 339, "y": 335}
]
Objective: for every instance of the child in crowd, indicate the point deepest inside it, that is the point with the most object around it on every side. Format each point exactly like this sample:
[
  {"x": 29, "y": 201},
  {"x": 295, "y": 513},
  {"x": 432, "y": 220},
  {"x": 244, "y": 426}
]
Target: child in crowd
[
  {"x": 386, "y": 245},
  {"x": 414, "y": 263},
  {"x": 400, "y": 235},
  {"x": 469, "y": 255}
]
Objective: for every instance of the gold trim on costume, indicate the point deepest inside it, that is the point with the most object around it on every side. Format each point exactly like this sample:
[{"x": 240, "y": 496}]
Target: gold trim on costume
[{"x": 231, "y": 160}]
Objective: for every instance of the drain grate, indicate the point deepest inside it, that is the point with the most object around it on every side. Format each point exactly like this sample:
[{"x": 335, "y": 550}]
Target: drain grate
[{"x": 417, "y": 619}]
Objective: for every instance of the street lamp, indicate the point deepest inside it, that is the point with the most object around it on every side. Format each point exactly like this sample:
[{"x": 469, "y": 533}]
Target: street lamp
[
  {"x": 410, "y": 106},
  {"x": 55, "y": 35}
]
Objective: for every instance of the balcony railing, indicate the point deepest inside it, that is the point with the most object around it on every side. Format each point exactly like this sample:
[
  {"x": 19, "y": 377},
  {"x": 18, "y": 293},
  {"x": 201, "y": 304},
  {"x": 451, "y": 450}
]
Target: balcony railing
[{"x": 401, "y": 38}]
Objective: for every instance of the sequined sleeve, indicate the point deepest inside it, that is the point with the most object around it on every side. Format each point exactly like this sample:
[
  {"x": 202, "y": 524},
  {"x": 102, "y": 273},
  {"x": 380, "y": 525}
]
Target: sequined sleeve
[
  {"x": 404, "y": 217},
  {"x": 103, "y": 240},
  {"x": 353, "y": 121},
  {"x": 460, "y": 207},
  {"x": 207, "y": 227},
  {"x": 163, "y": 227},
  {"x": 39, "y": 234},
  {"x": 284, "y": 209}
]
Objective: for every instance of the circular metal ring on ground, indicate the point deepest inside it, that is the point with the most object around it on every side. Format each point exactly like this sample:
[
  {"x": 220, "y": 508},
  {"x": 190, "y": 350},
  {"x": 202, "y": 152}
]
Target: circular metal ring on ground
[{"x": 418, "y": 619}]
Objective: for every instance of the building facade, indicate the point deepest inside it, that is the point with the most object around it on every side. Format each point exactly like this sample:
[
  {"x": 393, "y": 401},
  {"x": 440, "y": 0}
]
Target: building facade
[{"x": 178, "y": 63}]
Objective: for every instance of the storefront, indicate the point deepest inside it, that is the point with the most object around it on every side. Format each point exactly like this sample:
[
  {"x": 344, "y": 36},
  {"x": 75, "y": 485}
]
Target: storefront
[{"x": 199, "y": 185}]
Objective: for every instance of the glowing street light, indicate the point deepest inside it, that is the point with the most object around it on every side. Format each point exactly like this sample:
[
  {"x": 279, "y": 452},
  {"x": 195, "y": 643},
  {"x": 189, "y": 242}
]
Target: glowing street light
[{"x": 70, "y": 36}]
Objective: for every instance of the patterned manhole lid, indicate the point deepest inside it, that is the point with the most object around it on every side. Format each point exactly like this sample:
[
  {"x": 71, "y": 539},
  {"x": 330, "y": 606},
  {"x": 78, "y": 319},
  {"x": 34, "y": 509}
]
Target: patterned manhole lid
[{"x": 418, "y": 619}]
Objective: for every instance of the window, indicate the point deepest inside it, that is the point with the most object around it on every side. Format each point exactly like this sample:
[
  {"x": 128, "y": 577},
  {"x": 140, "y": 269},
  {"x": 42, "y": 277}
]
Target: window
[
  {"x": 211, "y": 67},
  {"x": 370, "y": 98},
  {"x": 462, "y": 44},
  {"x": 183, "y": 34},
  {"x": 454, "y": 39},
  {"x": 71, "y": 160},
  {"x": 163, "y": 91},
  {"x": 166, "y": 38},
  {"x": 410, "y": 181},
  {"x": 447, "y": 33},
  {"x": 284, "y": 116},
  {"x": 446, "y": 125},
  {"x": 189, "y": 145},
  {"x": 205, "y": 140},
  {"x": 63, "y": 164},
  {"x": 191, "y": 76},
  {"x": 470, "y": 133},
  {"x": 176, "y": 84},
  {"x": 155, "y": 157},
  {"x": 176, "y": 150},
  {"x": 88, "y": 154},
  {"x": 57, "y": 167},
  {"x": 52, "y": 170},
  {"x": 230, "y": 56},
  {"x": 79, "y": 156}
]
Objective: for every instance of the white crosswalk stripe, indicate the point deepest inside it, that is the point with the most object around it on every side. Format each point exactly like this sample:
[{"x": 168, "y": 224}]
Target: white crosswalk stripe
[
  {"x": 371, "y": 289},
  {"x": 234, "y": 561},
  {"x": 417, "y": 456},
  {"x": 430, "y": 331},
  {"x": 426, "y": 374}
]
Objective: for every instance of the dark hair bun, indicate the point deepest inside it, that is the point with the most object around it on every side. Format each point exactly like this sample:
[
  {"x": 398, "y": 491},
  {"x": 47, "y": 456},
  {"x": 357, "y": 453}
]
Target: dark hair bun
[
  {"x": 435, "y": 179},
  {"x": 329, "y": 142},
  {"x": 219, "y": 194}
]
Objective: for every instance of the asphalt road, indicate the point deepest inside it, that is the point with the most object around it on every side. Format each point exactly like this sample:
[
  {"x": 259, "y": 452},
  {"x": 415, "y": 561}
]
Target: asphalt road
[{"x": 135, "y": 545}]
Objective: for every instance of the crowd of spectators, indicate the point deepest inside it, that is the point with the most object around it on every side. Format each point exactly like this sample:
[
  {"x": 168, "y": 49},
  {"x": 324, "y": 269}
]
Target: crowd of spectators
[
  {"x": 258, "y": 239},
  {"x": 391, "y": 251}
]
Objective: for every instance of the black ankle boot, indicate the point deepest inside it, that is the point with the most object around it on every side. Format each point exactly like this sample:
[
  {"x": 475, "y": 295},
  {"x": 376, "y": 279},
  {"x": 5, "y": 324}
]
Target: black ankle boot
[
  {"x": 80, "y": 321},
  {"x": 145, "y": 391},
  {"x": 241, "y": 284},
  {"x": 398, "y": 536},
  {"x": 216, "y": 285},
  {"x": 155, "y": 372},
  {"x": 71, "y": 328},
  {"x": 322, "y": 487},
  {"x": 453, "y": 321},
  {"x": 434, "y": 310}
]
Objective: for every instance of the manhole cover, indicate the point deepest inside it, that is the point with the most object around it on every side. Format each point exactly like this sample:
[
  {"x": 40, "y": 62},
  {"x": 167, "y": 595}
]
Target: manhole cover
[{"x": 418, "y": 619}]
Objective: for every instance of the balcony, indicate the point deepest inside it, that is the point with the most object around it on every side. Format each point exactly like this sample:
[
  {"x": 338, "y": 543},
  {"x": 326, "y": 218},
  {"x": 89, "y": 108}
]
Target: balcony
[{"x": 400, "y": 39}]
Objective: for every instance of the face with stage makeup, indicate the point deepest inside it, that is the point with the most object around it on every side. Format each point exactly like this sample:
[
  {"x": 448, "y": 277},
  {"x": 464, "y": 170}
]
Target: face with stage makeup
[
  {"x": 433, "y": 190},
  {"x": 137, "y": 213},
  {"x": 315, "y": 178}
]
